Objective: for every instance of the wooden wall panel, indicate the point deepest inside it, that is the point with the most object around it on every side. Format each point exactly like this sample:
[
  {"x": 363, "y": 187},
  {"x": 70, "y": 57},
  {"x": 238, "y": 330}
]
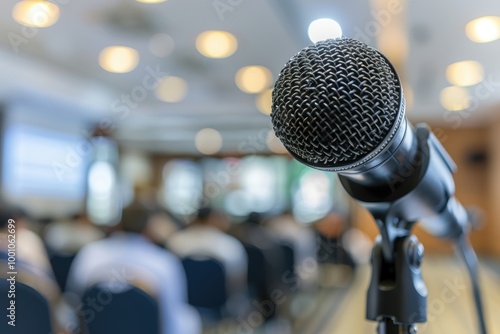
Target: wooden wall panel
[{"x": 494, "y": 189}]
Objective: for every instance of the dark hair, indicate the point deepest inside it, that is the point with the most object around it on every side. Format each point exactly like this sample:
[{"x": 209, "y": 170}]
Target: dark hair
[
  {"x": 135, "y": 218},
  {"x": 254, "y": 218},
  {"x": 6, "y": 213},
  {"x": 204, "y": 214}
]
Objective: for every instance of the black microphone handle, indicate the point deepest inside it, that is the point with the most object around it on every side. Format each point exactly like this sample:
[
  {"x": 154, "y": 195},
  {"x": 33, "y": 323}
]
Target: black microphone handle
[{"x": 420, "y": 188}]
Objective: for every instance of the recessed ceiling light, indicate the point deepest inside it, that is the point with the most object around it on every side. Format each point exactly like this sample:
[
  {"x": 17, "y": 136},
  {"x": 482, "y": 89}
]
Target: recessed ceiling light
[
  {"x": 118, "y": 59},
  {"x": 264, "y": 101},
  {"x": 455, "y": 98},
  {"x": 253, "y": 79},
  {"x": 216, "y": 44},
  {"x": 274, "y": 144},
  {"x": 465, "y": 73},
  {"x": 171, "y": 89},
  {"x": 208, "y": 141},
  {"x": 161, "y": 45},
  {"x": 322, "y": 29},
  {"x": 484, "y": 29},
  {"x": 40, "y": 14}
]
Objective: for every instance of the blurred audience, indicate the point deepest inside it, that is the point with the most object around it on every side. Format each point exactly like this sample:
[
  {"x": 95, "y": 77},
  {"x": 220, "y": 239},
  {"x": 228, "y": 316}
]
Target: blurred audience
[
  {"x": 330, "y": 229},
  {"x": 160, "y": 227},
  {"x": 70, "y": 235},
  {"x": 252, "y": 233},
  {"x": 161, "y": 224},
  {"x": 32, "y": 265},
  {"x": 129, "y": 256},
  {"x": 266, "y": 267},
  {"x": 204, "y": 238},
  {"x": 340, "y": 249},
  {"x": 342, "y": 243},
  {"x": 303, "y": 242},
  {"x": 64, "y": 238}
]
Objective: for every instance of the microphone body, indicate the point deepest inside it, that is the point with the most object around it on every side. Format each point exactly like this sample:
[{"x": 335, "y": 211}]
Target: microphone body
[
  {"x": 412, "y": 183},
  {"x": 338, "y": 106}
]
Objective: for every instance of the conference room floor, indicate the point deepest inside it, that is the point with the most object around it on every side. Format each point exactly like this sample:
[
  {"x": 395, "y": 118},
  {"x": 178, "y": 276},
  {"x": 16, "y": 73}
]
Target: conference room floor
[
  {"x": 450, "y": 303},
  {"x": 449, "y": 310}
]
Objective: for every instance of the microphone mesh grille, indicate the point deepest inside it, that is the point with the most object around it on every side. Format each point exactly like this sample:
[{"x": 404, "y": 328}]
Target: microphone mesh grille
[{"x": 335, "y": 102}]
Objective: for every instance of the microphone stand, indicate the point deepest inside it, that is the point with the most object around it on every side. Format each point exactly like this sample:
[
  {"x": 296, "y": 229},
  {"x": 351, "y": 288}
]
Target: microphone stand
[{"x": 397, "y": 295}]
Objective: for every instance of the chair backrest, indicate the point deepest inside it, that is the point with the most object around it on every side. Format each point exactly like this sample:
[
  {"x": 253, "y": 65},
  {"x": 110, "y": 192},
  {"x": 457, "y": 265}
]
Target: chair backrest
[
  {"x": 336, "y": 254},
  {"x": 127, "y": 311},
  {"x": 257, "y": 272},
  {"x": 32, "y": 312},
  {"x": 288, "y": 262},
  {"x": 61, "y": 264},
  {"x": 206, "y": 283}
]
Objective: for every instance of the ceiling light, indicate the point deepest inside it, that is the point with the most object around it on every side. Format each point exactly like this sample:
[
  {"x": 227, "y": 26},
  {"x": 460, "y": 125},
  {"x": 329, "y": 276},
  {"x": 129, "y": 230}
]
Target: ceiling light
[
  {"x": 161, "y": 45},
  {"x": 118, "y": 59},
  {"x": 465, "y": 73},
  {"x": 274, "y": 144},
  {"x": 484, "y": 29},
  {"x": 253, "y": 79},
  {"x": 322, "y": 29},
  {"x": 455, "y": 98},
  {"x": 40, "y": 14},
  {"x": 208, "y": 141},
  {"x": 264, "y": 101},
  {"x": 216, "y": 44},
  {"x": 171, "y": 89}
]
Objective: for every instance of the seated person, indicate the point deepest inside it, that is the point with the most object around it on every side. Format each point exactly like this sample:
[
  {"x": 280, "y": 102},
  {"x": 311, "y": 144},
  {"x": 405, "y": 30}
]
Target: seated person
[
  {"x": 68, "y": 236},
  {"x": 251, "y": 232},
  {"x": 303, "y": 242},
  {"x": 161, "y": 223},
  {"x": 129, "y": 255},
  {"x": 32, "y": 263},
  {"x": 204, "y": 237}
]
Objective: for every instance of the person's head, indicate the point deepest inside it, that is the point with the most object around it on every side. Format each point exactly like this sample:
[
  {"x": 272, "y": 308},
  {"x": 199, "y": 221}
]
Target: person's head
[
  {"x": 203, "y": 216},
  {"x": 209, "y": 217},
  {"x": 6, "y": 213},
  {"x": 254, "y": 218},
  {"x": 135, "y": 218},
  {"x": 17, "y": 214}
]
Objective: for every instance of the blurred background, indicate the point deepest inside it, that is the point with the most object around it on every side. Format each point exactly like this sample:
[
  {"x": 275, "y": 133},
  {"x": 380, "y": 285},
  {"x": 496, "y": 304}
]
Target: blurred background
[{"x": 150, "y": 119}]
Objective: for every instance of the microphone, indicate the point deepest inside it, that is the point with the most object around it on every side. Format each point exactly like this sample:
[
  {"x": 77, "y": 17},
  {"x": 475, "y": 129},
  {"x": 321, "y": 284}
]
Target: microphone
[{"x": 338, "y": 105}]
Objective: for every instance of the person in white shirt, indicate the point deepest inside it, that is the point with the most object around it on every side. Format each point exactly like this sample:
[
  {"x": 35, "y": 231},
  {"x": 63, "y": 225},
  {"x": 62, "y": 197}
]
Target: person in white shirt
[
  {"x": 204, "y": 237},
  {"x": 70, "y": 235},
  {"x": 303, "y": 242},
  {"x": 129, "y": 256}
]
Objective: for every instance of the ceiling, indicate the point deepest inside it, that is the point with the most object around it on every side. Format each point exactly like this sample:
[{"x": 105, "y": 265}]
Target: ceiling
[{"x": 62, "y": 61}]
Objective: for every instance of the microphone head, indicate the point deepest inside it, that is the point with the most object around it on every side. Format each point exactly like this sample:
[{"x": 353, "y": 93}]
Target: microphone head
[{"x": 337, "y": 104}]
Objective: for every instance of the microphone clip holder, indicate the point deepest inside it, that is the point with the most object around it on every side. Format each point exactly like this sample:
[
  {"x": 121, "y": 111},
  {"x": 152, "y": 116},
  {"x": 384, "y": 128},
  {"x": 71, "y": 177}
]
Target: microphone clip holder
[{"x": 397, "y": 295}]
